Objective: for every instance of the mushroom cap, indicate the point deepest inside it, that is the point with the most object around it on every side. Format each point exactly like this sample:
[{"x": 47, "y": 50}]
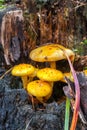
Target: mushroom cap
[
  {"x": 49, "y": 74},
  {"x": 23, "y": 70},
  {"x": 39, "y": 88},
  {"x": 51, "y": 52},
  {"x": 85, "y": 72},
  {"x": 68, "y": 75}
]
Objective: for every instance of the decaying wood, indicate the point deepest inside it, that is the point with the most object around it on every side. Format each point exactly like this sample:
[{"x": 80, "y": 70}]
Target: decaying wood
[
  {"x": 9, "y": 34},
  {"x": 62, "y": 22},
  {"x": 45, "y": 27}
]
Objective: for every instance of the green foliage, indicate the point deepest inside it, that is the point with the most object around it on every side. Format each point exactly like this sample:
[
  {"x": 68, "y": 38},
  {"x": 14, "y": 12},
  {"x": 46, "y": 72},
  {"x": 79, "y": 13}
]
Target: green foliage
[
  {"x": 85, "y": 68},
  {"x": 80, "y": 48},
  {"x": 1, "y": 4},
  {"x": 85, "y": 42}
]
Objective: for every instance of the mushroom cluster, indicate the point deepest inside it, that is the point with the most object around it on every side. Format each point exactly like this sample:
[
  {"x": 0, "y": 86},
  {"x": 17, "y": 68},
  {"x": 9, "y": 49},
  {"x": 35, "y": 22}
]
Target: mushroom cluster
[{"x": 42, "y": 87}]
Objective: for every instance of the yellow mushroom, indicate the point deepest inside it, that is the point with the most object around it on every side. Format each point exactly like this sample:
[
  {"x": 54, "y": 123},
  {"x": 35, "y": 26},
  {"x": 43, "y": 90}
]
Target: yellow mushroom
[
  {"x": 40, "y": 89},
  {"x": 49, "y": 74},
  {"x": 85, "y": 72},
  {"x": 50, "y": 53},
  {"x": 68, "y": 75},
  {"x": 23, "y": 70}
]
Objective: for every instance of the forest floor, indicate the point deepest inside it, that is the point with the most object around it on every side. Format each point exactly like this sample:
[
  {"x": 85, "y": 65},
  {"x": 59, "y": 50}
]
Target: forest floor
[{"x": 16, "y": 112}]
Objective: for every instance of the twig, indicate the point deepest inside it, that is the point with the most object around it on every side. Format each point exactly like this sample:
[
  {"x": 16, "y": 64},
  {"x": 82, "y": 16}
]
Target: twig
[
  {"x": 28, "y": 124},
  {"x": 79, "y": 6},
  {"x": 5, "y": 73}
]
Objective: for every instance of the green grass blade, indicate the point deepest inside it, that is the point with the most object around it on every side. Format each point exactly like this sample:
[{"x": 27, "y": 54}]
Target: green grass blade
[{"x": 67, "y": 114}]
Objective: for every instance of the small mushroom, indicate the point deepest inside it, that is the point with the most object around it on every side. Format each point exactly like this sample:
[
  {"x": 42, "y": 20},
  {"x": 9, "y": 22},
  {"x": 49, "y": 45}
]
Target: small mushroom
[
  {"x": 51, "y": 53},
  {"x": 85, "y": 72},
  {"x": 40, "y": 89},
  {"x": 23, "y": 70},
  {"x": 68, "y": 75},
  {"x": 49, "y": 74}
]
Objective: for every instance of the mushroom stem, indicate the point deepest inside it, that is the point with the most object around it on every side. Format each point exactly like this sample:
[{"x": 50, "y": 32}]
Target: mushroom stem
[
  {"x": 25, "y": 81},
  {"x": 51, "y": 83},
  {"x": 33, "y": 75},
  {"x": 53, "y": 64},
  {"x": 41, "y": 100}
]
